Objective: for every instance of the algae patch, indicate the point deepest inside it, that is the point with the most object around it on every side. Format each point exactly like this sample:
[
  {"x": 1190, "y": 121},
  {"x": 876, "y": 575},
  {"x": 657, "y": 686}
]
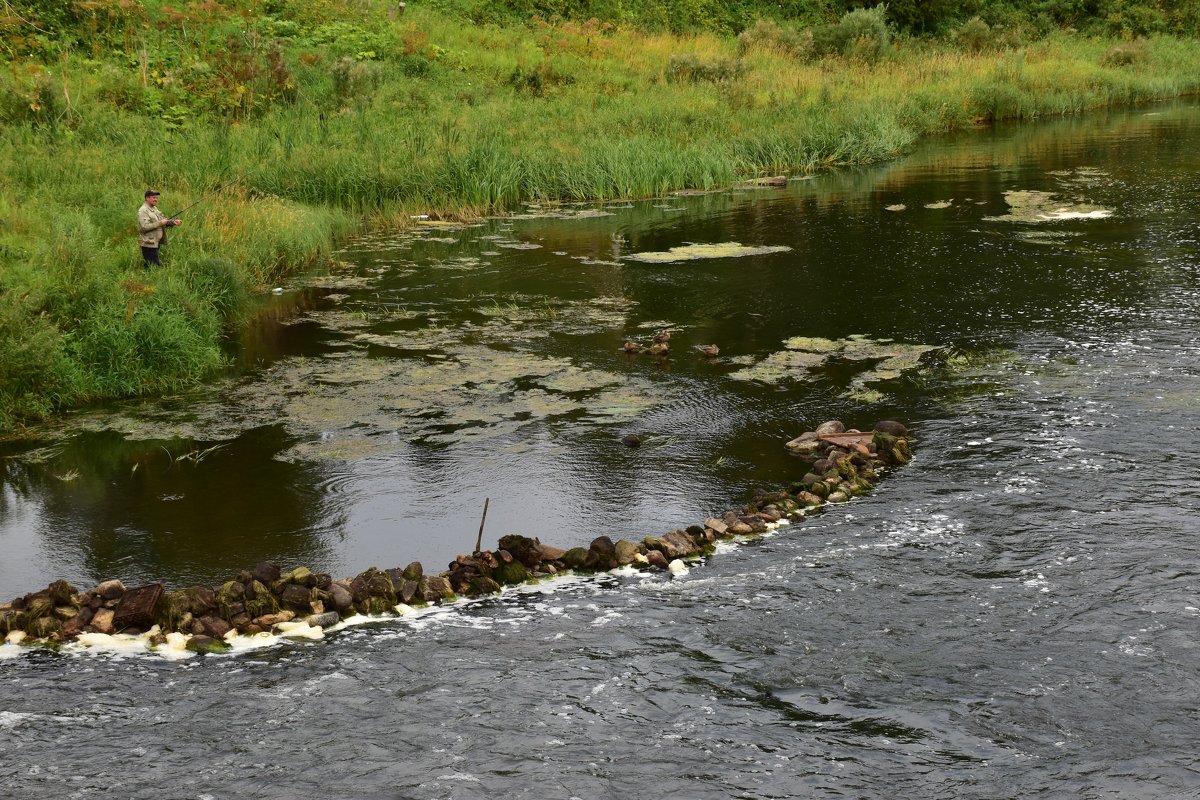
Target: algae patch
[
  {"x": 696, "y": 252},
  {"x": 872, "y": 362},
  {"x": 1032, "y": 207}
]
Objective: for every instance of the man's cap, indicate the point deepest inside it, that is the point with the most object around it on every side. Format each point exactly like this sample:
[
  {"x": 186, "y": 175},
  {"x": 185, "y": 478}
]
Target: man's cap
[{"x": 150, "y": 192}]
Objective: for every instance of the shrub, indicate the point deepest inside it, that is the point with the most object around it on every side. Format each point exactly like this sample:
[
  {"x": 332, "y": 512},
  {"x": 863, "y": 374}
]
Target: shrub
[
  {"x": 688, "y": 68},
  {"x": 36, "y": 374},
  {"x": 353, "y": 79},
  {"x": 770, "y": 35},
  {"x": 1122, "y": 55},
  {"x": 861, "y": 34},
  {"x": 974, "y": 35}
]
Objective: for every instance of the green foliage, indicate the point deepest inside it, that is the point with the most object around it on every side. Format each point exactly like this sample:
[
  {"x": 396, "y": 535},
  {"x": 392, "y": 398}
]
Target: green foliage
[{"x": 860, "y": 34}]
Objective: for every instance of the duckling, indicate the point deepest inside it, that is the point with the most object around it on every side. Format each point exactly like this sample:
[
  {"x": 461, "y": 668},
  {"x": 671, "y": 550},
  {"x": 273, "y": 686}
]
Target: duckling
[
  {"x": 658, "y": 349},
  {"x": 633, "y": 348},
  {"x": 708, "y": 350},
  {"x": 662, "y": 337}
]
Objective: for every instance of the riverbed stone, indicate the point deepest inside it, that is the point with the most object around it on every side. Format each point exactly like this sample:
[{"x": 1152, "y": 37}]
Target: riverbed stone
[
  {"x": 203, "y": 643},
  {"x": 214, "y": 626},
  {"x": 677, "y": 544},
  {"x": 62, "y": 593},
  {"x": 548, "y": 552},
  {"x": 373, "y": 582},
  {"x": 110, "y": 590},
  {"x": 270, "y": 620},
  {"x": 832, "y": 426},
  {"x": 266, "y": 573},
  {"x": 838, "y": 496},
  {"x": 102, "y": 621},
  {"x": 408, "y": 592},
  {"x": 897, "y": 429},
  {"x": 296, "y": 597},
  {"x": 656, "y": 559},
  {"x": 340, "y": 596},
  {"x": 201, "y": 599},
  {"x": 435, "y": 588},
  {"x": 626, "y": 552},
  {"x": 44, "y": 627},
  {"x": 511, "y": 573},
  {"x": 575, "y": 558}
]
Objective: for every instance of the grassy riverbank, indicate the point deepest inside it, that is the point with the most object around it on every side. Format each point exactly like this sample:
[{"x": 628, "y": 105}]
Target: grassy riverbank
[{"x": 329, "y": 116}]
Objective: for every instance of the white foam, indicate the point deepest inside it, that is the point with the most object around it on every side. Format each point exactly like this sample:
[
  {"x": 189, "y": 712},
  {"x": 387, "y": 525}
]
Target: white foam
[
  {"x": 299, "y": 629},
  {"x": 678, "y": 568},
  {"x": 8, "y": 650}
]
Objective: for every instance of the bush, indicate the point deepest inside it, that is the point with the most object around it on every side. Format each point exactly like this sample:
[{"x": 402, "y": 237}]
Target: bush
[
  {"x": 770, "y": 35},
  {"x": 974, "y": 35},
  {"x": 860, "y": 34},
  {"x": 353, "y": 79},
  {"x": 36, "y": 374},
  {"x": 1123, "y": 55}
]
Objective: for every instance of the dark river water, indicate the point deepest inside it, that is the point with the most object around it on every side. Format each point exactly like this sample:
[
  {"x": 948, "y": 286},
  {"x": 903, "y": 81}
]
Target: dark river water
[{"x": 1016, "y": 613}]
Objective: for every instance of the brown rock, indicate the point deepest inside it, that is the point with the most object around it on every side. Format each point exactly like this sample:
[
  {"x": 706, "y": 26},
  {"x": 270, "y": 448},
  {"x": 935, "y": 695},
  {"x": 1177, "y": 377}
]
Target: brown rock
[
  {"x": 833, "y": 426},
  {"x": 626, "y": 552},
  {"x": 434, "y": 588},
  {"x": 102, "y": 621},
  {"x": 214, "y": 626},
  {"x": 110, "y": 590}
]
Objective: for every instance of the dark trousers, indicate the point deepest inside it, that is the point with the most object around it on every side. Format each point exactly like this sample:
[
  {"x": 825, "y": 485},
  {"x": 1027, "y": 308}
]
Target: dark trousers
[{"x": 150, "y": 256}]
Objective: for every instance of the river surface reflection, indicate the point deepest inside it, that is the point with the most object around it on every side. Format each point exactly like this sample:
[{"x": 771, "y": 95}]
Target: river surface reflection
[{"x": 1013, "y": 613}]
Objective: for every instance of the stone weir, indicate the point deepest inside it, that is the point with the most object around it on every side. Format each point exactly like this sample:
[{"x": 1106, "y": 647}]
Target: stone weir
[{"x": 841, "y": 464}]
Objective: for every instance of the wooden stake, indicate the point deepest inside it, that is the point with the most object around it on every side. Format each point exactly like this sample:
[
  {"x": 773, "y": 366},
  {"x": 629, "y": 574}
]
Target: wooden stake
[{"x": 479, "y": 539}]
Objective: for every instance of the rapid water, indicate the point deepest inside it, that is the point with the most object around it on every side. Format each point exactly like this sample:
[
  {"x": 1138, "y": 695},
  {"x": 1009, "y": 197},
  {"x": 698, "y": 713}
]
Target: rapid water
[{"x": 1013, "y": 614}]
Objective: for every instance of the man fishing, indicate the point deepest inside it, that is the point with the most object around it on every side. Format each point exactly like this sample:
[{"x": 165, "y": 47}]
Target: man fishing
[{"x": 152, "y": 229}]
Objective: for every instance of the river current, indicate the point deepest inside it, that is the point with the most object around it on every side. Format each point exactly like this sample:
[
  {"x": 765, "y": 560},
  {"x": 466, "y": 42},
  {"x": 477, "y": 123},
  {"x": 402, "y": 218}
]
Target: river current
[{"x": 1013, "y": 614}]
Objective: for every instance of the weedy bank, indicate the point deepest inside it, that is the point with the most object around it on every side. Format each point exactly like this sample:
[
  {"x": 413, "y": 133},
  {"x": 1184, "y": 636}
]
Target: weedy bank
[{"x": 331, "y": 117}]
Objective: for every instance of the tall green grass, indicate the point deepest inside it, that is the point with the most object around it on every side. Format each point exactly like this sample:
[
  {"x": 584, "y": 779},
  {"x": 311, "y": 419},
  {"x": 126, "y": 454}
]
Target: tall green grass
[{"x": 429, "y": 113}]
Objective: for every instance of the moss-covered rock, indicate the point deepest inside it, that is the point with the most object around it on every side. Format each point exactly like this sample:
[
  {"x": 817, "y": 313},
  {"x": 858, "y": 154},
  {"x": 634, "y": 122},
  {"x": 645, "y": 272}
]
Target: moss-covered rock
[
  {"x": 575, "y": 558},
  {"x": 510, "y": 573}
]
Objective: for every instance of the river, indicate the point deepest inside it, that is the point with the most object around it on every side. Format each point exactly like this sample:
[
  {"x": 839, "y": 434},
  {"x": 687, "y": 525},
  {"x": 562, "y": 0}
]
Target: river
[{"x": 1014, "y": 613}]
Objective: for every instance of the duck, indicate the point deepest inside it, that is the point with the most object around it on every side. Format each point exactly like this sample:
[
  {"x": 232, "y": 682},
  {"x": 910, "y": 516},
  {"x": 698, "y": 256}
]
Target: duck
[
  {"x": 632, "y": 348},
  {"x": 658, "y": 349},
  {"x": 662, "y": 337},
  {"x": 708, "y": 350}
]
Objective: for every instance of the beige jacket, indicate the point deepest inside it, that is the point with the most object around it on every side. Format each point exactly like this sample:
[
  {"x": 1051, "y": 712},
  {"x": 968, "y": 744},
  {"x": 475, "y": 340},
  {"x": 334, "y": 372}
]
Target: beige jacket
[{"x": 150, "y": 226}]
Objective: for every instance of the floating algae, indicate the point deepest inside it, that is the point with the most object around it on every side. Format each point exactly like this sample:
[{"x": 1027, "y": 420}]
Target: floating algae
[
  {"x": 1032, "y": 207},
  {"x": 695, "y": 252},
  {"x": 881, "y": 360},
  {"x": 940, "y": 204}
]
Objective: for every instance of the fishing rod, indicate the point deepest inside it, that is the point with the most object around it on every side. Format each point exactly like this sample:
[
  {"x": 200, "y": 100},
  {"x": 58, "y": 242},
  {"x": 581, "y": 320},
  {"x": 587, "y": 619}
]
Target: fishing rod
[{"x": 205, "y": 197}]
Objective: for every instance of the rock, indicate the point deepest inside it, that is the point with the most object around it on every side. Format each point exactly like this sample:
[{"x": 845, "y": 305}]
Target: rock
[
  {"x": 626, "y": 552},
  {"x": 408, "y": 592},
  {"x": 742, "y": 529},
  {"x": 296, "y": 597},
  {"x": 575, "y": 558},
  {"x": 201, "y": 599},
  {"x": 511, "y": 573},
  {"x": 102, "y": 621},
  {"x": 271, "y": 620},
  {"x": 656, "y": 559},
  {"x": 214, "y": 626},
  {"x": 414, "y": 571},
  {"x": 43, "y": 627},
  {"x": 137, "y": 607},
  {"x": 677, "y": 544},
  {"x": 324, "y": 620},
  {"x": 203, "y": 643},
  {"x": 804, "y": 447},
  {"x": 340, "y": 596},
  {"x": 481, "y": 585},
  {"x": 522, "y": 548},
  {"x": 809, "y": 499},
  {"x": 631, "y": 440},
  {"x": 301, "y": 576},
  {"x": 549, "y": 553},
  {"x": 839, "y": 496},
  {"x": 434, "y": 588},
  {"x": 260, "y": 600},
  {"x": 62, "y": 593},
  {"x": 718, "y": 526},
  {"x": 775, "y": 181},
  {"x": 265, "y": 573},
  {"x": 891, "y": 426},
  {"x": 373, "y": 583},
  {"x": 110, "y": 590},
  {"x": 826, "y": 428},
  {"x": 601, "y": 553}
]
